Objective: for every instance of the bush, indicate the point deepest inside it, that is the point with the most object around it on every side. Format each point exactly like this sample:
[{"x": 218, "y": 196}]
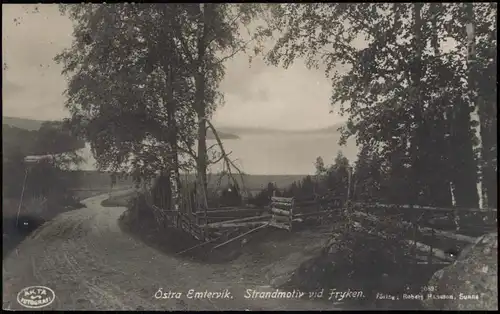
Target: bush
[
  {"x": 139, "y": 210},
  {"x": 358, "y": 257},
  {"x": 230, "y": 197},
  {"x": 263, "y": 198}
]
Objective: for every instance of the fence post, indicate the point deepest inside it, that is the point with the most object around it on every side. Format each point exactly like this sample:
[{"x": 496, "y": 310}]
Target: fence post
[
  {"x": 22, "y": 195},
  {"x": 433, "y": 236}
]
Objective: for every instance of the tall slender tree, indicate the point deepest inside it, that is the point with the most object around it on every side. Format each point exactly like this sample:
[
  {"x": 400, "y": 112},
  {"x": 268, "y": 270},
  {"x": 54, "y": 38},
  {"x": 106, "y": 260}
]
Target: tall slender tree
[
  {"x": 481, "y": 79},
  {"x": 210, "y": 34}
]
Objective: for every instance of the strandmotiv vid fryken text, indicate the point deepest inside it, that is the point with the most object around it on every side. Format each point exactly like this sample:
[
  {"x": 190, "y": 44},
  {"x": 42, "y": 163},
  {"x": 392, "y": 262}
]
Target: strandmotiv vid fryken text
[{"x": 332, "y": 294}]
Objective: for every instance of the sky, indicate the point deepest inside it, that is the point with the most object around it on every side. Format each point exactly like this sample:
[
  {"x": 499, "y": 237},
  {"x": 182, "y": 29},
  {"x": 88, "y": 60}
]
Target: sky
[{"x": 257, "y": 96}]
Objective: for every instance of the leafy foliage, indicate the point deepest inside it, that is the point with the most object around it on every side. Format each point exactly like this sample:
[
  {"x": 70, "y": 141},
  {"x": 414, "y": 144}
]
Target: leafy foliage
[
  {"x": 263, "y": 198},
  {"x": 404, "y": 92},
  {"x": 143, "y": 77},
  {"x": 117, "y": 85},
  {"x": 230, "y": 197}
]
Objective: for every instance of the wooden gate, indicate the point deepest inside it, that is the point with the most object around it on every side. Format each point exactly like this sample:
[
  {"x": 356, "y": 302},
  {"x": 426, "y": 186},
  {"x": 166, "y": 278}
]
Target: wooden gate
[{"x": 282, "y": 212}]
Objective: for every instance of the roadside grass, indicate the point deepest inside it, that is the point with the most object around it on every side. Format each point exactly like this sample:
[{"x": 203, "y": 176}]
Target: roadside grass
[
  {"x": 119, "y": 200},
  {"x": 142, "y": 226}
]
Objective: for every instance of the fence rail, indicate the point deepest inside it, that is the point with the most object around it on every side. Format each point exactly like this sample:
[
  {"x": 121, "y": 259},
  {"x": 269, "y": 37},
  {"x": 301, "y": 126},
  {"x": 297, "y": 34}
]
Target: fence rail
[
  {"x": 412, "y": 217},
  {"x": 429, "y": 208}
]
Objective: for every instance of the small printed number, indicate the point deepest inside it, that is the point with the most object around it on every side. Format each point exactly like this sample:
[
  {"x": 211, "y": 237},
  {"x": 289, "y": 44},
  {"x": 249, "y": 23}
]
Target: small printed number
[{"x": 429, "y": 288}]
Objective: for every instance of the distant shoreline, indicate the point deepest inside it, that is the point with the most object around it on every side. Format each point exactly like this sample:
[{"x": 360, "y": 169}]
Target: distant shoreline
[
  {"x": 34, "y": 125},
  {"x": 224, "y": 132}
]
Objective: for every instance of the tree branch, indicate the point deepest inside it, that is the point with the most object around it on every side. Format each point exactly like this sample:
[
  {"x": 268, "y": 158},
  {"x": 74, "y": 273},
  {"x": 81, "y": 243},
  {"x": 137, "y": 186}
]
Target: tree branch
[
  {"x": 219, "y": 159},
  {"x": 235, "y": 51},
  {"x": 188, "y": 150},
  {"x": 211, "y": 146},
  {"x": 228, "y": 162}
]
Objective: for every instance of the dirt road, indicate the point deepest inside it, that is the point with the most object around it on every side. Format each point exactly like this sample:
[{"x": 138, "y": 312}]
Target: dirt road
[{"x": 85, "y": 258}]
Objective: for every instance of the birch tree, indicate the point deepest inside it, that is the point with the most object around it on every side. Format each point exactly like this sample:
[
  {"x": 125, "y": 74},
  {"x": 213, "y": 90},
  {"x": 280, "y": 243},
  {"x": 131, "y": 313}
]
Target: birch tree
[
  {"x": 129, "y": 90},
  {"x": 143, "y": 82},
  {"x": 209, "y": 35}
]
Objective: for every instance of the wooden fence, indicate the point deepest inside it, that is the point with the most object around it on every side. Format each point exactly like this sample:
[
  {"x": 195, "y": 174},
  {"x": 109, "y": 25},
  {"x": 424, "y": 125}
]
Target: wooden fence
[
  {"x": 429, "y": 242},
  {"x": 424, "y": 236},
  {"x": 282, "y": 212},
  {"x": 458, "y": 226},
  {"x": 230, "y": 213},
  {"x": 316, "y": 209}
]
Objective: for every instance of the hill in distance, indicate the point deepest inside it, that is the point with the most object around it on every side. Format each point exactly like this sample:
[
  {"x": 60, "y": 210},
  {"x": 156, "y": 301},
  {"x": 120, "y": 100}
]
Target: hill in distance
[
  {"x": 34, "y": 125},
  {"x": 225, "y": 132},
  {"x": 21, "y": 123},
  {"x": 266, "y": 131}
]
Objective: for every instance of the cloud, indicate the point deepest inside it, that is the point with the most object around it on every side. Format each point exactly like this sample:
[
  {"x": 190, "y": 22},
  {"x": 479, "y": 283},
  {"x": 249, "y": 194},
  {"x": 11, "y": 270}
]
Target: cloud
[
  {"x": 10, "y": 89},
  {"x": 272, "y": 97},
  {"x": 258, "y": 95},
  {"x": 28, "y": 50}
]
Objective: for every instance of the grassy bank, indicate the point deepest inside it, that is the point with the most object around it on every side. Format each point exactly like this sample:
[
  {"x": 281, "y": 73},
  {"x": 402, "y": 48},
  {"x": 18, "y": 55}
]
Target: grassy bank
[
  {"x": 16, "y": 230},
  {"x": 140, "y": 224},
  {"x": 121, "y": 200}
]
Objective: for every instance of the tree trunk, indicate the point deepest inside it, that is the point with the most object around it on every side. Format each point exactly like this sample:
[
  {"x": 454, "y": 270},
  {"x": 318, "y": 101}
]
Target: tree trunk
[
  {"x": 462, "y": 158},
  {"x": 202, "y": 145},
  {"x": 172, "y": 140},
  {"x": 486, "y": 106},
  {"x": 417, "y": 184},
  {"x": 438, "y": 161},
  {"x": 170, "y": 62},
  {"x": 200, "y": 106},
  {"x": 488, "y": 133},
  {"x": 465, "y": 164}
]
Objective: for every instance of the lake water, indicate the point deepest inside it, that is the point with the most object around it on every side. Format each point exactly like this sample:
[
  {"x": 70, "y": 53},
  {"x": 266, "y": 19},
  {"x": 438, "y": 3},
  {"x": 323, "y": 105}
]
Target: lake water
[
  {"x": 277, "y": 154},
  {"x": 274, "y": 154}
]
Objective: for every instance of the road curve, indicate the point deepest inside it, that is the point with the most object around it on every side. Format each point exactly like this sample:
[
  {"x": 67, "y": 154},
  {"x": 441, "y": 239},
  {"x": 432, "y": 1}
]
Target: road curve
[{"x": 92, "y": 265}]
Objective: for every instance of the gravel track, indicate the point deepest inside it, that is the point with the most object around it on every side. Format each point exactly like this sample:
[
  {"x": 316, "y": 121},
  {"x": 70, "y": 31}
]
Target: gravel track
[{"x": 91, "y": 264}]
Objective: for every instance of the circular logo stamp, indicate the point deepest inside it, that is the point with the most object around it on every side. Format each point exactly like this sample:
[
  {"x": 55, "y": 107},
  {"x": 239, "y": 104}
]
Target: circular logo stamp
[{"x": 36, "y": 297}]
